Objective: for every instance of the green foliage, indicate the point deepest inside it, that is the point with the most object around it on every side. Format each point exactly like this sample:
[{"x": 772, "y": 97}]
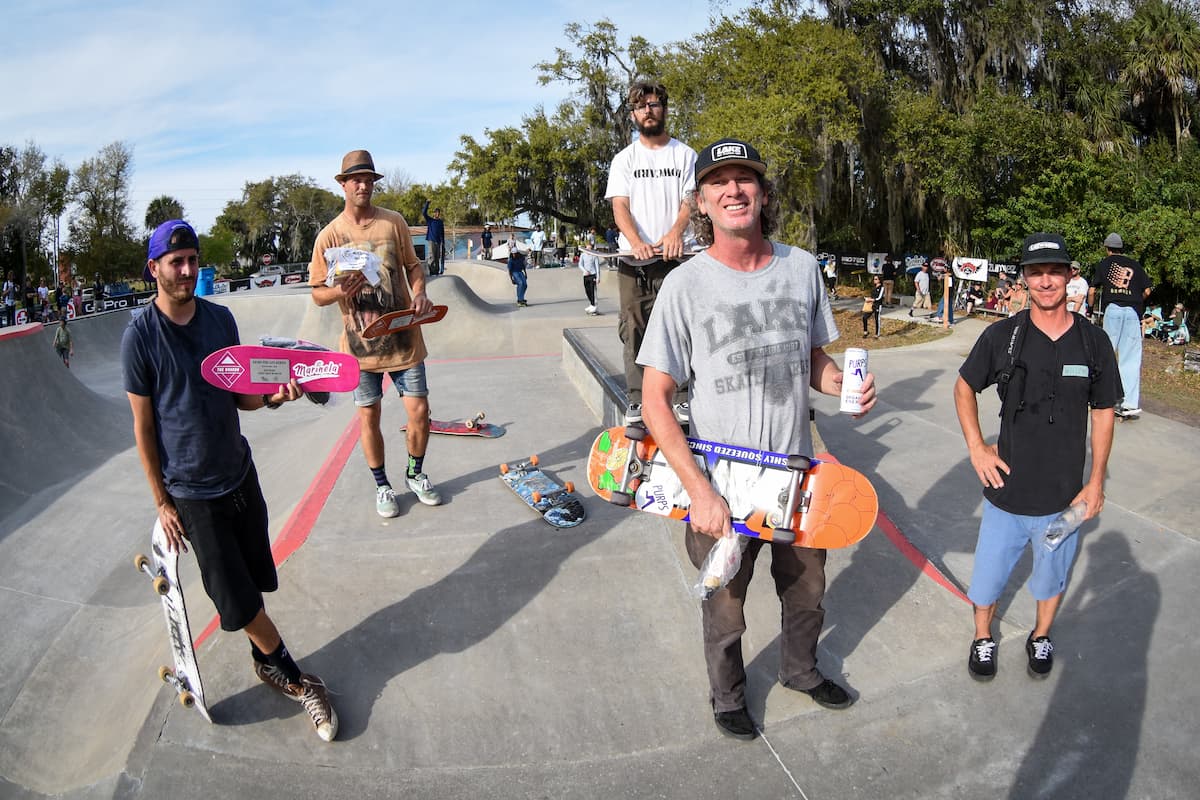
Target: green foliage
[
  {"x": 161, "y": 209},
  {"x": 281, "y": 216}
]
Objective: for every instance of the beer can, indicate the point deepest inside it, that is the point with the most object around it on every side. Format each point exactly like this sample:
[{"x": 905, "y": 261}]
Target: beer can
[{"x": 854, "y": 372}]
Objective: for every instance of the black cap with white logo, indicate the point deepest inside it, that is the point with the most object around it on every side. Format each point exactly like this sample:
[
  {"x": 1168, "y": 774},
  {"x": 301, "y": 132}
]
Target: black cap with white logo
[
  {"x": 1044, "y": 248},
  {"x": 725, "y": 152}
]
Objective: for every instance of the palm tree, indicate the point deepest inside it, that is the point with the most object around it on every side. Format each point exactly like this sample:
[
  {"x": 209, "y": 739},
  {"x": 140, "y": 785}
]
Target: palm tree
[
  {"x": 1164, "y": 41},
  {"x": 161, "y": 209}
]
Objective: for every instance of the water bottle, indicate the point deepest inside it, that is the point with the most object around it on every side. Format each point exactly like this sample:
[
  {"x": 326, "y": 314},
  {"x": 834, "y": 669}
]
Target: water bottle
[{"x": 1064, "y": 524}]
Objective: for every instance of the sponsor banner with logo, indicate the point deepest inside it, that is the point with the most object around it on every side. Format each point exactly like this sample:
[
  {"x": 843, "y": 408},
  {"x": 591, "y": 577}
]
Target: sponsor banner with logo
[
  {"x": 294, "y": 278},
  {"x": 265, "y": 281},
  {"x": 875, "y": 263},
  {"x": 1007, "y": 269},
  {"x": 118, "y": 303},
  {"x": 239, "y": 285},
  {"x": 21, "y": 317},
  {"x": 221, "y": 286},
  {"x": 913, "y": 264},
  {"x": 971, "y": 269},
  {"x": 852, "y": 263}
]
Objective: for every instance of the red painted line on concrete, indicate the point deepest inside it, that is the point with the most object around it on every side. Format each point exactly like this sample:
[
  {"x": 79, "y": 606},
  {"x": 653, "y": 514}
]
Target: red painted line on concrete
[
  {"x": 300, "y": 524},
  {"x": 910, "y": 550},
  {"x": 17, "y": 331}
]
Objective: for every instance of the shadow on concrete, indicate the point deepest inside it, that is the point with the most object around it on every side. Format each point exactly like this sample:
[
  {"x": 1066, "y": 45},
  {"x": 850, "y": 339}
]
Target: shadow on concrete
[
  {"x": 1110, "y": 638},
  {"x": 449, "y": 616}
]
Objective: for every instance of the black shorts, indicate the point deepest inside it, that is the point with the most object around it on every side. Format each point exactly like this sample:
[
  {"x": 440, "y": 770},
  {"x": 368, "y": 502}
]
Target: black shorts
[{"x": 233, "y": 548}]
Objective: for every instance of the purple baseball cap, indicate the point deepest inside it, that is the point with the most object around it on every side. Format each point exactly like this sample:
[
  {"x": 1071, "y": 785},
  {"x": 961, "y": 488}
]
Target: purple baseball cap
[{"x": 172, "y": 235}]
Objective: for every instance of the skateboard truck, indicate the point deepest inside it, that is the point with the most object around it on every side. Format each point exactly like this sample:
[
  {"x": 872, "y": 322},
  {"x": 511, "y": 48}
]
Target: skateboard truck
[
  {"x": 795, "y": 500},
  {"x": 623, "y": 496}
]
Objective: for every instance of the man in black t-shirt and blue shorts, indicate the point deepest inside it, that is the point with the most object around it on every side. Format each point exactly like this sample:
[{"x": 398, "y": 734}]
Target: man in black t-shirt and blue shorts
[{"x": 1050, "y": 367}]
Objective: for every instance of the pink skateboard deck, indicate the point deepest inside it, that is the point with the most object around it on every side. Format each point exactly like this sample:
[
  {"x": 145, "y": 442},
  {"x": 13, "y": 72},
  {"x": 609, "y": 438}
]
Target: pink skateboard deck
[
  {"x": 402, "y": 320},
  {"x": 254, "y": 369}
]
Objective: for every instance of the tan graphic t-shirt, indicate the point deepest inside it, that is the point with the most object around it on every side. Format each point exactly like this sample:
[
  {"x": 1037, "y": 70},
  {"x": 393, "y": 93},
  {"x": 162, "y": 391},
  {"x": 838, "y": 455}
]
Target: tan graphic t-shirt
[{"x": 388, "y": 237}]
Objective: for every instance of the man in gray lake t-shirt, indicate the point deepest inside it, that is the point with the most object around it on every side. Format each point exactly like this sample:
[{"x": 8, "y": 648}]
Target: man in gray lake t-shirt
[{"x": 745, "y": 322}]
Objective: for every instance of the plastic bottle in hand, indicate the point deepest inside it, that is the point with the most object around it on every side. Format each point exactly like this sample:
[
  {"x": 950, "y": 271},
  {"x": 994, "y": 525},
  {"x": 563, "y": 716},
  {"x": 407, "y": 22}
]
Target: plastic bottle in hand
[{"x": 1064, "y": 524}]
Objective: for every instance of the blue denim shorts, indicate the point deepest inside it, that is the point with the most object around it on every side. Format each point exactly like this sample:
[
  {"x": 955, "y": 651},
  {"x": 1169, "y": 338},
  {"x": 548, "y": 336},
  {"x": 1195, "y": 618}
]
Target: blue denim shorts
[
  {"x": 408, "y": 382},
  {"x": 1002, "y": 539}
]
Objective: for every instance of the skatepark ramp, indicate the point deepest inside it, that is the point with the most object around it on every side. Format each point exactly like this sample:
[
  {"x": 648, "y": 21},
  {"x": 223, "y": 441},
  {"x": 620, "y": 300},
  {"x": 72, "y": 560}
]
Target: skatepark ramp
[{"x": 52, "y": 427}]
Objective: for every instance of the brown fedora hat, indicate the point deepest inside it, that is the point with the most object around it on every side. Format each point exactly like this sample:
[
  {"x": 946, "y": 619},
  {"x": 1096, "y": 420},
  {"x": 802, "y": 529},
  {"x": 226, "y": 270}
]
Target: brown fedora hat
[{"x": 356, "y": 162}]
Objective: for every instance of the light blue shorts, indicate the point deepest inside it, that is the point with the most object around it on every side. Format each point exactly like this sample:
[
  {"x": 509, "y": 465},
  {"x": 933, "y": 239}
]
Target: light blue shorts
[
  {"x": 408, "y": 382},
  {"x": 1003, "y": 537}
]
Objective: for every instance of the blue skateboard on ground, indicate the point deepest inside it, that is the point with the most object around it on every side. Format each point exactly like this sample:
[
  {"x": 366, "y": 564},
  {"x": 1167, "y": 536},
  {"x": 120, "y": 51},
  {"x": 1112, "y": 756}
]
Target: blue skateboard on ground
[{"x": 556, "y": 503}]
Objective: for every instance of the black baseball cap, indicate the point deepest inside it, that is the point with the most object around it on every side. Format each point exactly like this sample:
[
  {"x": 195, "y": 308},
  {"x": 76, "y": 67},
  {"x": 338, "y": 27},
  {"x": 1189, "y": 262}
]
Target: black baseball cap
[
  {"x": 728, "y": 151},
  {"x": 1044, "y": 248}
]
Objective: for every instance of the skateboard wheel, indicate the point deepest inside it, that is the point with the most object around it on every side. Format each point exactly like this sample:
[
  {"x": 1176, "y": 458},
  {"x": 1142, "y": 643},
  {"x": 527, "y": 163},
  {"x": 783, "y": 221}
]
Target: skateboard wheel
[
  {"x": 533, "y": 460},
  {"x": 141, "y": 562},
  {"x": 570, "y": 487},
  {"x": 622, "y": 499},
  {"x": 186, "y": 699},
  {"x": 165, "y": 674},
  {"x": 480, "y": 416},
  {"x": 800, "y": 463},
  {"x": 162, "y": 585},
  {"x": 537, "y": 497},
  {"x": 635, "y": 433},
  {"x": 783, "y": 535},
  {"x": 504, "y": 469}
]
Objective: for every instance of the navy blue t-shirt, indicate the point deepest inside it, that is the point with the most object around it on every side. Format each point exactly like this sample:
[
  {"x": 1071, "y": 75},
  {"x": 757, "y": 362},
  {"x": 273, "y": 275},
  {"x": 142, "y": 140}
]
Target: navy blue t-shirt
[
  {"x": 1045, "y": 443},
  {"x": 200, "y": 443}
]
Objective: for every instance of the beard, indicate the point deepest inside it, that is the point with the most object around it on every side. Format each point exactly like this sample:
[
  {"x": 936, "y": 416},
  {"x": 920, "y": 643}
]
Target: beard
[{"x": 655, "y": 126}]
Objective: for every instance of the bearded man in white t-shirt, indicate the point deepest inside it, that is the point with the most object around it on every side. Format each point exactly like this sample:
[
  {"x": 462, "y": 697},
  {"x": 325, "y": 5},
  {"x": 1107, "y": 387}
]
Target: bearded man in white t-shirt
[{"x": 648, "y": 185}]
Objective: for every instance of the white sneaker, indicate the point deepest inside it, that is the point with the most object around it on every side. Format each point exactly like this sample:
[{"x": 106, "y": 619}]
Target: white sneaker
[
  {"x": 633, "y": 413},
  {"x": 590, "y": 310},
  {"x": 385, "y": 502},
  {"x": 683, "y": 414},
  {"x": 424, "y": 490}
]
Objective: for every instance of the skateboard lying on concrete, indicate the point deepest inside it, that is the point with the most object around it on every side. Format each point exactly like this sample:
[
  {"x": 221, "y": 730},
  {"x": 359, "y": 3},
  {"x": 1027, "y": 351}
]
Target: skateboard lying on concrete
[
  {"x": 475, "y": 426},
  {"x": 255, "y": 369},
  {"x": 806, "y": 502},
  {"x": 557, "y": 504},
  {"x": 163, "y": 568},
  {"x": 402, "y": 320}
]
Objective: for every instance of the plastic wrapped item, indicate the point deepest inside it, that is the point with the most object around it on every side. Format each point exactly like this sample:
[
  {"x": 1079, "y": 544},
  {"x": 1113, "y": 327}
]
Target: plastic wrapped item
[
  {"x": 342, "y": 260},
  {"x": 1064, "y": 525},
  {"x": 720, "y": 565},
  {"x": 266, "y": 340}
]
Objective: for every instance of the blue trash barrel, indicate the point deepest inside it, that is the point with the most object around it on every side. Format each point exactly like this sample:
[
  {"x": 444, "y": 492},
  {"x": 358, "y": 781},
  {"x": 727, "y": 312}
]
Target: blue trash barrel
[{"x": 204, "y": 285}]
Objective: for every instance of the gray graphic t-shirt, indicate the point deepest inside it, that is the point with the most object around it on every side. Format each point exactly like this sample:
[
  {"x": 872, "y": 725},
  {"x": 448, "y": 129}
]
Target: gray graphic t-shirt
[{"x": 743, "y": 340}]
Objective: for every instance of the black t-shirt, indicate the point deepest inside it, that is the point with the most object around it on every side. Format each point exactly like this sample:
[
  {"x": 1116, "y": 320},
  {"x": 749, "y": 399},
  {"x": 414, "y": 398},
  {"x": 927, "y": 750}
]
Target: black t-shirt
[
  {"x": 200, "y": 442},
  {"x": 889, "y": 271},
  {"x": 1123, "y": 282},
  {"x": 1045, "y": 443}
]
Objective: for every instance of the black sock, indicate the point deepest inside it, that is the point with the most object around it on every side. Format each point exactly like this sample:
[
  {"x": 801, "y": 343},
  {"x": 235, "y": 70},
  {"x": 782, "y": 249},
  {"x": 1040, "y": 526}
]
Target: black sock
[
  {"x": 415, "y": 465},
  {"x": 282, "y": 660},
  {"x": 258, "y": 655},
  {"x": 380, "y": 476}
]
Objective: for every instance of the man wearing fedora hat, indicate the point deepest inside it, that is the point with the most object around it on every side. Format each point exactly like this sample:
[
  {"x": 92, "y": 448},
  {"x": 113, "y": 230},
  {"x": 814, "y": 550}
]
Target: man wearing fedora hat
[
  {"x": 747, "y": 321},
  {"x": 1055, "y": 372},
  {"x": 1123, "y": 288},
  {"x": 400, "y": 355}
]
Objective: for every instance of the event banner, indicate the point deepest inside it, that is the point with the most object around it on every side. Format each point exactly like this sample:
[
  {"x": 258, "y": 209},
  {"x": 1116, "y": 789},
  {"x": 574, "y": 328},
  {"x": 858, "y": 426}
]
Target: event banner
[{"x": 971, "y": 269}]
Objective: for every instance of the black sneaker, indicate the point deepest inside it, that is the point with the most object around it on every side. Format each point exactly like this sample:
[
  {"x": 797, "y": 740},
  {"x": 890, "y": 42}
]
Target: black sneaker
[
  {"x": 828, "y": 694},
  {"x": 982, "y": 661},
  {"x": 736, "y": 724},
  {"x": 1041, "y": 656}
]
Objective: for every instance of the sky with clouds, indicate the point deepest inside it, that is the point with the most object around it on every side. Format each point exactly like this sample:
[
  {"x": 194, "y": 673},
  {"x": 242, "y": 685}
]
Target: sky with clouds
[{"x": 211, "y": 95}]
